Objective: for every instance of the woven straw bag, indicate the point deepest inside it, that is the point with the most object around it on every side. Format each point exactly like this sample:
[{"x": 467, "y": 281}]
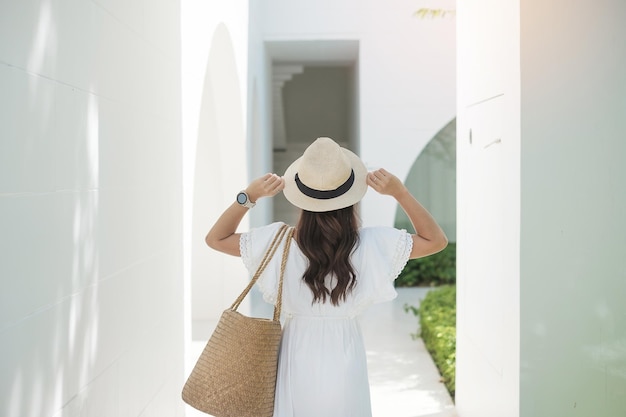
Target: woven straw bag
[{"x": 235, "y": 375}]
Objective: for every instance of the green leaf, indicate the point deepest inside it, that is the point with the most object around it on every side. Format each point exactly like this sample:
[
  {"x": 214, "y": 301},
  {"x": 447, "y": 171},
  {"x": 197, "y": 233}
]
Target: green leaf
[{"x": 425, "y": 12}]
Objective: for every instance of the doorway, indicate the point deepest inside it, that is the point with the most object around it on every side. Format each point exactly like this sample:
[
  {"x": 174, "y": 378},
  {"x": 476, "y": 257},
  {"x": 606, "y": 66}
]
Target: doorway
[{"x": 314, "y": 94}]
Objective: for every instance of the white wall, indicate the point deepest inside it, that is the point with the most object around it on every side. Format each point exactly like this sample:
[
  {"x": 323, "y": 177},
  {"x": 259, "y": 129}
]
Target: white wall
[
  {"x": 573, "y": 279},
  {"x": 488, "y": 209},
  {"x": 259, "y": 105},
  {"x": 90, "y": 212},
  {"x": 406, "y": 74},
  {"x": 214, "y": 68},
  {"x": 541, "y": 329}
]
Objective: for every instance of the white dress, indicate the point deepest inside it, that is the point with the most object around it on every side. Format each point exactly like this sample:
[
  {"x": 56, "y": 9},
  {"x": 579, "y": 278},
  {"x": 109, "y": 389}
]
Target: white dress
[{"x": 322, "y": 370}]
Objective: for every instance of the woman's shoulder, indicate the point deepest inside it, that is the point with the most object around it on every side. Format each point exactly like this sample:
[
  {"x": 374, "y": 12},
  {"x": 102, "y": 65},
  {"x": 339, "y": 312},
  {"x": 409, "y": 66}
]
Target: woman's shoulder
[
  {"x": 378, "y": 232},
  {"x": 263, "y": 233},
  {"x": 384, "y": 239},
  {"x": 384, "y": 251},
  {"x": 268, "y": 227}
]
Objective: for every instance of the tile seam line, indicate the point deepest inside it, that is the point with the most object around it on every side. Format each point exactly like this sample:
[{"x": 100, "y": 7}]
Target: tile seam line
[
  {"x": 75, "y": 87},
  {"x": 78, "y": 191},
  {"x": 99, "y": 281},
  {"x": 46, "y": 193},
  {"x": 80, "y": 89},
  {"x": 106, "y": 369},
  {"x": 127, "y": 26},
  {"x": 56, "y": 81},
  {"x": 483, "y": 101}
]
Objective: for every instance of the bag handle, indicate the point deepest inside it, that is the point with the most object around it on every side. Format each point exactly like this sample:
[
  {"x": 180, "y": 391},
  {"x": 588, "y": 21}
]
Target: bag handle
[
  {"x": 264, "y": 262},
  {"x": 279, "y": 297}
]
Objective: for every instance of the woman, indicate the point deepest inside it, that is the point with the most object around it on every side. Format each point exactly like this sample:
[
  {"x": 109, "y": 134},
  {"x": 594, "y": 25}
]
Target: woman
[{"x": 334, "y": 271}]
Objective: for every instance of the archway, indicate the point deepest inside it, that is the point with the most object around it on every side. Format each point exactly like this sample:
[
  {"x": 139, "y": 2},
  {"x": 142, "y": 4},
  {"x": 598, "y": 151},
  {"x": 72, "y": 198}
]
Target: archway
[
  {"x": 220, "y": 142},
  {"x": 432, "y": 180}
]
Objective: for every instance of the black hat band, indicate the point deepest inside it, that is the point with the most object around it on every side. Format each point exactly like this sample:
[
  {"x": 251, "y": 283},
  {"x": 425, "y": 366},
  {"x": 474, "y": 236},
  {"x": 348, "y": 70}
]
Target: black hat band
[{"x": 326, "y": 194}]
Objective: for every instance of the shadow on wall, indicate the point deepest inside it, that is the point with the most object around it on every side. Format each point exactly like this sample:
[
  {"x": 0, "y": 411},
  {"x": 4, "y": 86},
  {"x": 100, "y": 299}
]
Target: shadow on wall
[
  {"x": 50, "y": 313},
  {"x": 432, "y": 180},
  {"x": 77, "y": 307}
]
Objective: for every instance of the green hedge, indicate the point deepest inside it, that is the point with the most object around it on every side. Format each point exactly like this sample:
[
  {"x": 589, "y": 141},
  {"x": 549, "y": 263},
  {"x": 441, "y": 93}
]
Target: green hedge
[
  {"x": 437, "y": 316},
  {"x": 430, "y": 271}
]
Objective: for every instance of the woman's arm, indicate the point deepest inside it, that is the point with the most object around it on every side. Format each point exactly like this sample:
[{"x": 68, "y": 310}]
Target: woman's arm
[
  {"x": 222, "y": 236},
  {"x": 429, "y": 238}
]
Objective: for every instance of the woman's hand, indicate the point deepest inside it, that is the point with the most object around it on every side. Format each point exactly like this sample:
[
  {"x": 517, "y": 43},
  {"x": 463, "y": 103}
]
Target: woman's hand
[
  {"x": 386, "y": 183},
  {"x": 222, "y": 236},
  {"x": 266, "y": 186},
  {"x": 429, "y": 237}
]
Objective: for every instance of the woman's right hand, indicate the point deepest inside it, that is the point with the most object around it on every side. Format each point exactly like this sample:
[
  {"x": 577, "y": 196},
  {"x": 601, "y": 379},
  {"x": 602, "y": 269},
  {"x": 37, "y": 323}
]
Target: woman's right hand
[{"x": 266, "y": 186}]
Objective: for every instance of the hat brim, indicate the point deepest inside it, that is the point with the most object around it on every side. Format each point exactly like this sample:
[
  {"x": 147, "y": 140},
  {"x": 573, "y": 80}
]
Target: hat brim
[{"x": 351, "y": 197}]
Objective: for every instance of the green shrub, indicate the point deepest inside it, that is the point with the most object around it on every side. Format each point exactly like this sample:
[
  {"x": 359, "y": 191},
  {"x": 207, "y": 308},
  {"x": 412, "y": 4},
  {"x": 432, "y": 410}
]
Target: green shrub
[
  {"x": 434, "y": 270},
  {"x": 437, "y": 316}
]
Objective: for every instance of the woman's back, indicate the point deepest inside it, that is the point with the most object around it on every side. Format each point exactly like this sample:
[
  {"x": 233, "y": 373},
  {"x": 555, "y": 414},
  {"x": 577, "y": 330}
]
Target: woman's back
[
  {"x": 322, "y": 367},
  {"x": 379, "y": 257}
]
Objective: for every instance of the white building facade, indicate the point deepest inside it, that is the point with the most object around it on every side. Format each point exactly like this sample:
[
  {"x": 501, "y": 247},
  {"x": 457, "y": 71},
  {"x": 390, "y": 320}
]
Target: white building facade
[{"x": 126, "y": 127}]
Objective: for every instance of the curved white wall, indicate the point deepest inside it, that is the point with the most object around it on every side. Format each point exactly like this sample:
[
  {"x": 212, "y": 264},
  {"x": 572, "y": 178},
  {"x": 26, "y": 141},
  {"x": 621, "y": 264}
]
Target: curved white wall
[{"x": 90, "y": 188}]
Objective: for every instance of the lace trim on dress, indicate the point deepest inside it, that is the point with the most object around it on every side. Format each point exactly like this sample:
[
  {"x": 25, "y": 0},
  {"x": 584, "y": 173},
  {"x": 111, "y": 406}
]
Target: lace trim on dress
[
  {"x": 267, "y": 282},
  {"x": 403, "y": 251},
  {"x": 269, "y": 291},
  {"x": 244, "y": 250}
]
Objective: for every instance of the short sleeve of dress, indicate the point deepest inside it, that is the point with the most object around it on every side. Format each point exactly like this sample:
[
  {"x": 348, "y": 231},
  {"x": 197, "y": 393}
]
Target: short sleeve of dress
[
  {"x": 383, "y": 254},
  {"x": 252, "y": 246}
]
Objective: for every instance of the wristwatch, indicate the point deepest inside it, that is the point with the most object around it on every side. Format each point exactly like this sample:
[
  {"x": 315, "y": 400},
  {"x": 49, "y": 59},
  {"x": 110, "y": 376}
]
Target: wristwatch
[{"x": 244, "y": 200}]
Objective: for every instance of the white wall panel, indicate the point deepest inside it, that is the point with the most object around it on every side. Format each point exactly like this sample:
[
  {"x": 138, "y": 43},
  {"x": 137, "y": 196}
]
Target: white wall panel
[
  {"x": 487, "y": 48},
  {"x": 562, "y": 281},
  {"x": 488, "y": 214},
  {"x": 32, "y": 121},
  {"x": 48, "y": 251},
  {"x": 77, "y": 29},
  {"x": 573, "y": 317},
  {"x": 90, "y": 209},
  {"x": 488, "y": 261}
]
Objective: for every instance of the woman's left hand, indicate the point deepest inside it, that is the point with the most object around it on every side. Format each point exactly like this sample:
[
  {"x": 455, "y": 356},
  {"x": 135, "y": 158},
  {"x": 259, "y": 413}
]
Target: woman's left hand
[
  {"x": 386, "y": 183},
  {"x": 266, "y": 186}
]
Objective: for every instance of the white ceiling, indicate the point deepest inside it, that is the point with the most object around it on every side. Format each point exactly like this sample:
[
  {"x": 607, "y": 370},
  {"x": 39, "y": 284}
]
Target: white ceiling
[{"x": 314, "y": 52}]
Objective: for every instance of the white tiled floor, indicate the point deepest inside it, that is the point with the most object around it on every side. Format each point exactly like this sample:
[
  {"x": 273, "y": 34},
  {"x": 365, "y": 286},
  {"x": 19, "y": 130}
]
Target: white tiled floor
[{"x": 403, "y": 378}]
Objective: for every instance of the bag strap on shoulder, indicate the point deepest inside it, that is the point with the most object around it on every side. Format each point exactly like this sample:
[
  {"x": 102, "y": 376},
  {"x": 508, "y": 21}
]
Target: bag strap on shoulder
[
  {"x": 278, "y": 238},
  {"x": 279, "y": 297}
]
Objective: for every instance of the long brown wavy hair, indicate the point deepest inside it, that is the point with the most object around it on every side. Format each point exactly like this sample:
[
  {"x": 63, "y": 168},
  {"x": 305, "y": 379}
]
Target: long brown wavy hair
[{"x": 328, "y": 239}]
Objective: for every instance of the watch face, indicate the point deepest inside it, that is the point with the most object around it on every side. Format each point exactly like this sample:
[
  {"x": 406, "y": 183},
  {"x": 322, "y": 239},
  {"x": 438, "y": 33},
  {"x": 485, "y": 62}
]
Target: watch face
[{"x": 242, "y": 198}]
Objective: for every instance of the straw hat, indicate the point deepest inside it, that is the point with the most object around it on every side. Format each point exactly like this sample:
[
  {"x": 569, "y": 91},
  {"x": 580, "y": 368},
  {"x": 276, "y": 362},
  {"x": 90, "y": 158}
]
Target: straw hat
[{"x": 326, "y": 177}]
